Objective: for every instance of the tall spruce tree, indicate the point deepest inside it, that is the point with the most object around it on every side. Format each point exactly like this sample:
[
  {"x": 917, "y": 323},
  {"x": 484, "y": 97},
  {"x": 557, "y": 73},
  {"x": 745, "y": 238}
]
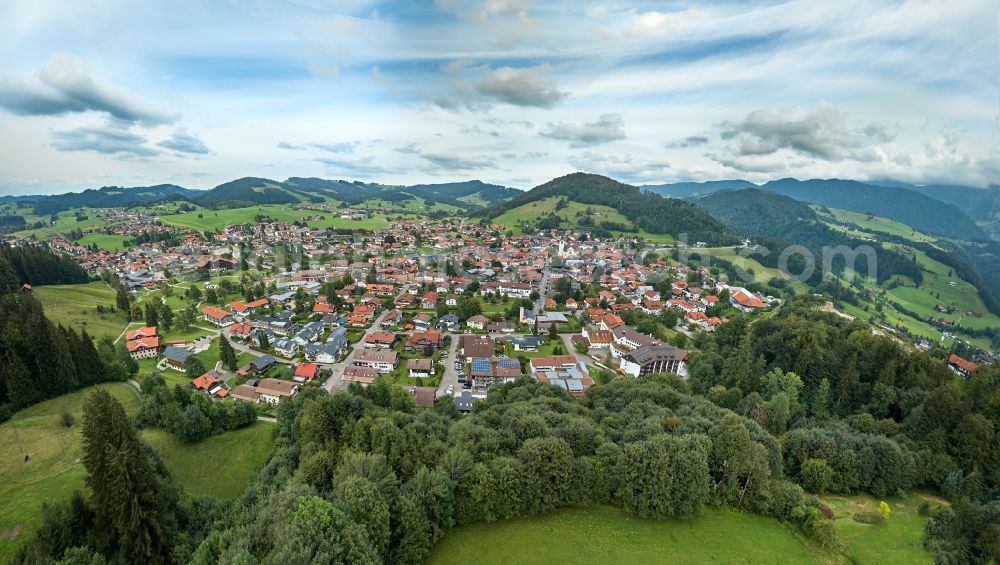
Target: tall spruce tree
[{"x": 132, "y": 502}]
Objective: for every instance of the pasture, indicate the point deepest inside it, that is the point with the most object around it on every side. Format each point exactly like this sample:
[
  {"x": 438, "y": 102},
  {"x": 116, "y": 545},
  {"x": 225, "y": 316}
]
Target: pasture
[
  {"x": 75, "y": 306},
  {"x": 53, "y": 469}
]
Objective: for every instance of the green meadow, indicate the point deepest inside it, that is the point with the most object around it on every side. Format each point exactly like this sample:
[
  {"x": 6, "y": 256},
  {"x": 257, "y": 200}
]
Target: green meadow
[
  {"x": 606, "y": 536},
  {"x": 216, "y": 220},
  {"x": 53, "y": 469},
  {"x": 75, "y": 306},
  {"x": 218, "y": 466}
]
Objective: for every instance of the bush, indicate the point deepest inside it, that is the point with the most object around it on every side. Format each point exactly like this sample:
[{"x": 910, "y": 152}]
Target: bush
[
  {"x": 67, "y": 420},
  {"x": 816, "y": 475},
  {"x": 867, "y": 517}
]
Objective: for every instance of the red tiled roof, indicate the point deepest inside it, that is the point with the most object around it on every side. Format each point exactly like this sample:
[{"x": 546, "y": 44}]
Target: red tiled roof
[
  {"x": 307, "y": 370},
  {"x": 140, "y": 332},
  {"x": 143, "y": 343},
  {"x": 213, "y": 312},
  {"x": 963, "y": 364}
]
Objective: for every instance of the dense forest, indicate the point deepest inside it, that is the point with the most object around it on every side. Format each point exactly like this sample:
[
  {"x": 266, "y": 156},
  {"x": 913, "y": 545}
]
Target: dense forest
[
  {"x": 804, "y": 399},
  {"x": 776, "y": 222},
  {"x": 753, "y": 212},
  {"x": 110, "y": 197},
  {"x": 910, "y": 207},
  {"x": 39, "y": 360},
  {"x": 647, "y": 211},
  {"x": 38, "y": 266}
]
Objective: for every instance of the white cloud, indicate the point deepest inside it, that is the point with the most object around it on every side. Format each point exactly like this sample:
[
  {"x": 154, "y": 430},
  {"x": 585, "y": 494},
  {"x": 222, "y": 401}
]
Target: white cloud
[
  {"x": 183, "y": 142},
  {"x": 113, "y": 138},
  {"x": 607, "y": 128},
  {"x": 64, "y": 85},
  {"x": 521, "y": 87},
  {"x": 626, "y": 168}
]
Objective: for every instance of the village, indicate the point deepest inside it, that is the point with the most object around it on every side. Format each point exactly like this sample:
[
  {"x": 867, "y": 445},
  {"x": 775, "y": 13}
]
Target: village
[{"x": 442, "y": 309}]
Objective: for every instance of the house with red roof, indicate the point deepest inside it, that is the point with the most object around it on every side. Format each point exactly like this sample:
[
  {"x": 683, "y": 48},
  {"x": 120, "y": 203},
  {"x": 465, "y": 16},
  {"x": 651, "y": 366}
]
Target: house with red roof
[
  {"x": 744, "y": 300},
  {"x": 961, "y": 366},
  {"x": 240, "y": 330},
  {"x": 305, "y": 372},
  {"x": 217, "y": 316}
]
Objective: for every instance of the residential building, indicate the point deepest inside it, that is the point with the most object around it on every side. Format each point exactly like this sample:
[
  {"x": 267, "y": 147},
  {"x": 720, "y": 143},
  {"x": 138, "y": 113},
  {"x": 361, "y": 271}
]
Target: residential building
[
  {"x": 176, "y": 357},
  {"x": 426, "y": 342},
  {"x": 961, "y": 366},
  {"x": 217, "y": 316},
  {"x": 420, "y": 368},
  {"x": 362, "y": 375},
  {"x": 305, "y": 372},
  {"x": 382, "y": 360},
  {"x": 273, "y": 391}
]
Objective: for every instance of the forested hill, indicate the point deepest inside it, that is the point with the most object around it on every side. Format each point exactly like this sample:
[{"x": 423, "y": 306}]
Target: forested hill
[
  {"x": 912, "y": 208},
  {"x": 979, "y": 203},
  {"x": 687, "y": 189},
  {"x": 754, "y": 212},
  {"x": 38, "y": 266},
  {"x": 647, "y": 211},
  {"x": 463, "y": 193},
  {"x": 111, "y": 197},
  {"x": 775, "y": 222}
]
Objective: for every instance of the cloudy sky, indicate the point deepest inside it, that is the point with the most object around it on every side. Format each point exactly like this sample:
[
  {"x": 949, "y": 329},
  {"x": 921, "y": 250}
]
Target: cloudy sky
[{"x": 514, "y": 92}]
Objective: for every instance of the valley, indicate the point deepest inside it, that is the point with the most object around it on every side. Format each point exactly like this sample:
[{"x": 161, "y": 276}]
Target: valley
[{"x": 223, "y": 321}]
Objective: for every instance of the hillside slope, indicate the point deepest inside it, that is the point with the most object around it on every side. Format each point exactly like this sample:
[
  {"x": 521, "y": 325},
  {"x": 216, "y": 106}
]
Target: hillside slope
[
  {"x": 647, "y": 211},
  {"x": 112, "y": 197},
  {"x": 754, "y": 212},
  {"x": 904, "y": 205},
  {"x": 463, "y": 193},
  {"x": 688, "y": 189}
]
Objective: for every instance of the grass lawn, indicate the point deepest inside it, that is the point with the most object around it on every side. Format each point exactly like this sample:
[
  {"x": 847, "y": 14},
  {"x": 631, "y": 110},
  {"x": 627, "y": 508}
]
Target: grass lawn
[
  {"x": 897, "y": 540},
  {"x": 218, "y": 466},
  {"x": 53, "y": 470},
  {"x": 75, "y": 306},
  {"x": 609, "y": 536}
]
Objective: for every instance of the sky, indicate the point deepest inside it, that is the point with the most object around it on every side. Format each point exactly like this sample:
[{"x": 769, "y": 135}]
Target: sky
[{"x": 514, "y": 92}]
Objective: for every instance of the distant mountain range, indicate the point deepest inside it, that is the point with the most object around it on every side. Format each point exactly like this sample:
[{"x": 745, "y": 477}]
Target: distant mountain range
[
  {"x": 936, "y": 210},
  {"x": 252, "y": 191},
  {"x": 958, "y": 212}
]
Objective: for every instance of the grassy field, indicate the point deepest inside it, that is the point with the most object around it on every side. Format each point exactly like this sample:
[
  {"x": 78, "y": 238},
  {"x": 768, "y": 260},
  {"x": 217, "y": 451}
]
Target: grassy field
[
  {"x": 760, "y": 273},
  {"x": 531, "y": 212},
  {"x": 65, "y": 222},
  {"x": 216, "y": 220},
  {"x": 53, "y": 470},
  {"x": 897, "y": 540},
  {"x": 109, "y": 242},
  {"x": 218, "y": 466},
  {"x": 609, "y": 536},
  {"x": 877, "y": 224},
  {"x": 75, "y": 306}
]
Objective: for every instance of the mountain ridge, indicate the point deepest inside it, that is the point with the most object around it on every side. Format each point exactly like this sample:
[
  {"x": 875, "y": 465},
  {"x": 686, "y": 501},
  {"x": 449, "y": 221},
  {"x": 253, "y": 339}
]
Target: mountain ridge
[{"x": 647, "y": 211}]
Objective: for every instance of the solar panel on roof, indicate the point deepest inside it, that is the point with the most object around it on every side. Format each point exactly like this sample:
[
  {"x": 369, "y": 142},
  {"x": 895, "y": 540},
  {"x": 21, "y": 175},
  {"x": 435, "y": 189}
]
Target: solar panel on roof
[
  {"x": 508, "y": 362},
  {"x": 574, "y": 385},
  {"x": 481, "y": 365}
]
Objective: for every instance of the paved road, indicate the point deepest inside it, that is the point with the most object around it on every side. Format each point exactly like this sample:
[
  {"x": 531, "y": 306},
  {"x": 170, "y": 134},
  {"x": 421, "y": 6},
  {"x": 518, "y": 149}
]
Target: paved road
[
  {"x": 336, "y": 379},
  {"x": 543, "y": 290},
  {"x": 450, "y": 377}
]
